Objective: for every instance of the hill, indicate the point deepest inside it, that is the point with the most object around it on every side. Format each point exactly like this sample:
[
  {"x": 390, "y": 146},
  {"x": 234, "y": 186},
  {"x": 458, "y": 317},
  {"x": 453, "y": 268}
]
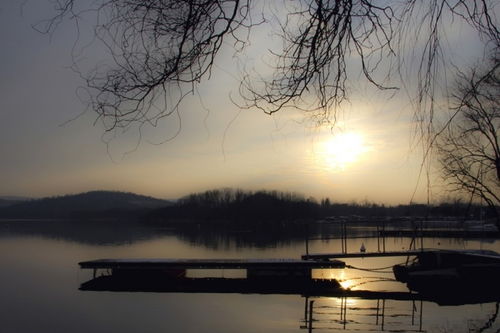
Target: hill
[
  {"x": 250, "y": 208},
  {"x": 5, "y": 203},
  {"x": 9, "y": 201},
  {"x": 94, "y": 204},
  {"x": 239, "y": 206}
]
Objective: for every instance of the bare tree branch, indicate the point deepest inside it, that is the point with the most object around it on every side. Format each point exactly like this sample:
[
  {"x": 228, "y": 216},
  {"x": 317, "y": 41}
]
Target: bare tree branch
[
  {"x": 320, "y": 37},
  {"x": 162, "y": 49},
  {"x": 469, "y": 149},
  {"x": 157, "y": 48}
]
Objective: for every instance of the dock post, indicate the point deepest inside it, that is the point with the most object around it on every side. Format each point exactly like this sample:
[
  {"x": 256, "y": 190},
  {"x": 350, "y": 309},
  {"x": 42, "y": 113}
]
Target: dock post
[
  {"x": 378, "y": 237},
  {"x": 311, "y": 316},
  {"x": 383, "y": 314},
  {"x": 305, "y": 309},
  {"x": 422, "y": 235},
  {"x": 421, "y": 315},
  {"x": 307, "y": 237},
  {"x": 343, "y": 236},
  {"x": 343, "y": 314},
  {"x": 383, "y": 235},
  {"x": 341, "y": 308},
  {"x": 413, "y": 309},
  {"x": 306, "y": 314}
]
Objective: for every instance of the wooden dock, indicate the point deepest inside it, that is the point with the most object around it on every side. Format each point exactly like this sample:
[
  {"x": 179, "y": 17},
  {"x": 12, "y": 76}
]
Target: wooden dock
[
  {"x": 160, "y": 269},
  {"x": 279, "y": 264},
  {"x": 294, "y": 276},
  {"x": 441, "y": 233},
  {"x": 341, "y": 255},
  {"x": 407, "y": 253}
]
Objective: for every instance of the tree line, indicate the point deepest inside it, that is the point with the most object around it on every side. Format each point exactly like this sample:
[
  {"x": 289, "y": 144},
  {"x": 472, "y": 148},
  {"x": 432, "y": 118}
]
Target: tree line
[{"x": 240, "y": 206}]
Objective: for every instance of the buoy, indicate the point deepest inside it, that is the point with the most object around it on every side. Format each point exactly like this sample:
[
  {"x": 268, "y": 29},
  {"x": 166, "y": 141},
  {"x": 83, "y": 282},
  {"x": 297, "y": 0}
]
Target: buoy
[{"x": 362, "y": 248}]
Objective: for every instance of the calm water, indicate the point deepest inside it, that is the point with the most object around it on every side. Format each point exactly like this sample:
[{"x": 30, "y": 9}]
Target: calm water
[{"x": 39, "y": 280}]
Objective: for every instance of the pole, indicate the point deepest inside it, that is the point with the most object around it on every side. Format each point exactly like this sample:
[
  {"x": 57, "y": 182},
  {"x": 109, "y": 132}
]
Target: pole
[{"x": 311, "y": 316}]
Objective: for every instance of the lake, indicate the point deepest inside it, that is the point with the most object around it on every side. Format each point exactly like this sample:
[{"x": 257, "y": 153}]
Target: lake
[{"x": 40, "y": 280}]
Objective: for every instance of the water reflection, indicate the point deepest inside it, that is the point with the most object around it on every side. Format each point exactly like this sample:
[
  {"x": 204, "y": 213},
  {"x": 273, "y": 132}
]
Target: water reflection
[
  {"x": 40, "y": 280},
  {"x": 333, "y": 309},
  {"x": 362, "y": 315},
  {"x": 218, "y": 236},
  {"x": 354, "y": 314},
  {"x": 225, "y": 236},
  {"x": 163, "y": 281}
]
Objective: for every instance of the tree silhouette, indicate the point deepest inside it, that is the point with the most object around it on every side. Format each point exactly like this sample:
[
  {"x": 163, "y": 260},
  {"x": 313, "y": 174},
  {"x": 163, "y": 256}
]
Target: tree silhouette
[
  {"x": 162, "y": 49},
  {"x": 469, "y": 148}
]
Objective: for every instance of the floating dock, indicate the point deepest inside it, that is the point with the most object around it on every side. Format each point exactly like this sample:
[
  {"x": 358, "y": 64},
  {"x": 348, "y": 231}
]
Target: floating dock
[
  {"x": 408, "y": 253},
  {"x": 262, "y": 275},
  {"x": 286, "y": 264},
  {"x": 255, "y": 268},
  {"x": 441, "y": 233},
  {"x": 342, "y": 255},
  {"x": 477, "y": 270}
]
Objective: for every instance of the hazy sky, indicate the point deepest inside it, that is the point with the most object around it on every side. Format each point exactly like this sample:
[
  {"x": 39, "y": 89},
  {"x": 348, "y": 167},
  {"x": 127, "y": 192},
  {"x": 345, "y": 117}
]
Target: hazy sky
[{"x": 42, "y": 154}]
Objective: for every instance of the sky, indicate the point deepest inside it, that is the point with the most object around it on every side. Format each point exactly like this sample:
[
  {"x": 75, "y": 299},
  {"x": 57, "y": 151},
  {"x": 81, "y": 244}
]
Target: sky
[{"x": 50, "y": 144}]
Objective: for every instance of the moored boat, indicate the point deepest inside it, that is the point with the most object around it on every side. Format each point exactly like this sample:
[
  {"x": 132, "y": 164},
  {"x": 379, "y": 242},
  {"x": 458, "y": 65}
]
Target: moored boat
[{"x": 451, "y": 271}]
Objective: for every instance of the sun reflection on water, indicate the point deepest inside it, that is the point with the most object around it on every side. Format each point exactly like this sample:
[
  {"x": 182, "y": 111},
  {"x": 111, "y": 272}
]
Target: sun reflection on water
[{"x": 334, "y": 274}]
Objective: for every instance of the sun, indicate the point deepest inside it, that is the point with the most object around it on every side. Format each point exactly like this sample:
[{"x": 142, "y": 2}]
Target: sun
[{"x": 343, "y": 150}]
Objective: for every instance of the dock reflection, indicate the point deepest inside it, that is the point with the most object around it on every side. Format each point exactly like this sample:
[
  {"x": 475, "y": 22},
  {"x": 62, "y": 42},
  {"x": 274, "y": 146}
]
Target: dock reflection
[
  {"x": 370, "y": 315},
  {"x": 357, "y": 314},
  {"x": 333, "y": 309},
  {"x": 269, "y": 285}
]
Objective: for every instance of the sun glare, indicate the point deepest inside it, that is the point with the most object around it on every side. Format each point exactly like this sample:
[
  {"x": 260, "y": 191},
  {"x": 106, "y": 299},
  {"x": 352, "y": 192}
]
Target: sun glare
[{"x": 343, "y": 150}]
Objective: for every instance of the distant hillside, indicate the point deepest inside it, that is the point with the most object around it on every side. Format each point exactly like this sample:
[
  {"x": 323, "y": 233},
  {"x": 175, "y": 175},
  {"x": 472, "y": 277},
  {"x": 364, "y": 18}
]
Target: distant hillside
[
  {"x": 95, "y": 204},
  {"x": 251, "y": 208},
  {"x": 5, "y": 203},
  {"x": 13, "y": 198},
  {"x": 239, "y": 206},
  {"x": 9, "y": 201}
]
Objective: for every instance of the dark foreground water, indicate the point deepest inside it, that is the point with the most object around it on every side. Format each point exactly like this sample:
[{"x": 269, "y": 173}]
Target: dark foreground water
[{"x": 39, "y": 281}]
